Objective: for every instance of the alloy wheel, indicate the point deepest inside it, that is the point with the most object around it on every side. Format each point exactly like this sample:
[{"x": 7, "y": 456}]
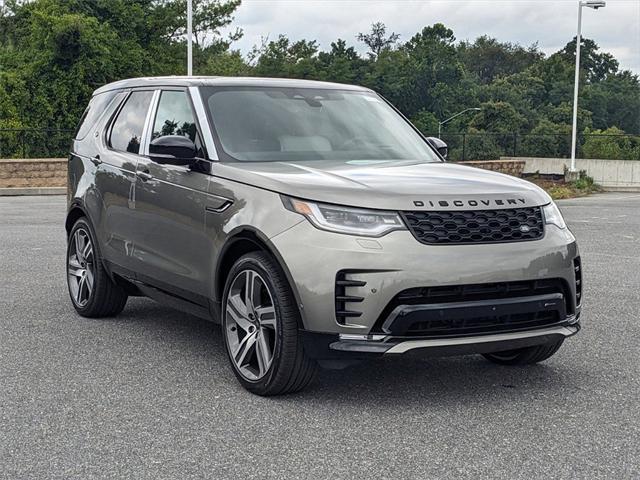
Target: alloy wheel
[
  {"x": 81, "y": 267},
  {"x": 251, "y": 325}
]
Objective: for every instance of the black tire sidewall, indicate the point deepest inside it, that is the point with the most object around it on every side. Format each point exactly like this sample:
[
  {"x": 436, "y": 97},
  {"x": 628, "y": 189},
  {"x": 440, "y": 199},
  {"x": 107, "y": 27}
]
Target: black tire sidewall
[
  {"x": 98, "y": 270},
  {"x": 255, "y": 263}
]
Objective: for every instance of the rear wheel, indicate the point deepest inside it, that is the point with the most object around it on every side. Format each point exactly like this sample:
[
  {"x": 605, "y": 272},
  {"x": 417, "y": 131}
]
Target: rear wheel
[
  {"x": 260, "y": 328},
  {"x": 525, "y": 356},
  {"x": 92, "y": 292}
]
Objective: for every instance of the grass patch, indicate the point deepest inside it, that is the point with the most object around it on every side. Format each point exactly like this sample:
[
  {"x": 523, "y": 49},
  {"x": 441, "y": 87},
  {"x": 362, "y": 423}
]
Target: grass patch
[{"x": 559, "y": 189}]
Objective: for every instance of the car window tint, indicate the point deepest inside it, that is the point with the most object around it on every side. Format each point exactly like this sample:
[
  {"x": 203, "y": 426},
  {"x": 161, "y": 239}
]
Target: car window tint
[
  {"x": 126, "y": 133},
  {"x": 94, "y": 110},
  {"x": 175, "y": 117}
]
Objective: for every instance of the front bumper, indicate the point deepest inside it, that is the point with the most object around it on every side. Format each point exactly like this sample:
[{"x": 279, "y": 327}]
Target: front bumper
[
  {"x": 349, "y": 347},
  {"x": 384, "y": 267}
]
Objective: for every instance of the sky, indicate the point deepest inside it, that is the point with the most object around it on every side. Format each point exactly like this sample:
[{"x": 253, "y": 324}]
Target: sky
[{"x": 615, "y": 28}]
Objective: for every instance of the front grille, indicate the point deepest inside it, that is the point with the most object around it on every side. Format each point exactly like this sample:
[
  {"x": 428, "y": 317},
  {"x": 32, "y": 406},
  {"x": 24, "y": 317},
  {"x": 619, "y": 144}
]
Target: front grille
[
  {"x": 477, "y": 293},
  {"x": 482, "y": 325},
  {"x": 476, "y": 226}
]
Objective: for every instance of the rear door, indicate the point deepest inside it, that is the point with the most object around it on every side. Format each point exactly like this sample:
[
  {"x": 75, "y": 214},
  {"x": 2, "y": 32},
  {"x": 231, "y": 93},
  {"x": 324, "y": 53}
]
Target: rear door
[
  {"x": 172, "y": 251},
  {"x": 115, "y": 176}
]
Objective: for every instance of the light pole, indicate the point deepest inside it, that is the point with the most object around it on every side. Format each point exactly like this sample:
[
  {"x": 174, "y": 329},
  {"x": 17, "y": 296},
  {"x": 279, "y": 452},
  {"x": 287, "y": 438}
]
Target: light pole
[
  {"x": 451, "y": 118},
  {"x": 595, "y": 4},
  {"x": 189, "y": 39}
]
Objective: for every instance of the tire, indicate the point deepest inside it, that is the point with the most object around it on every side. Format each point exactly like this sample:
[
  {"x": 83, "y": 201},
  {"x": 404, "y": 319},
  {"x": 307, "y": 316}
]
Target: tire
[
  {"x": 273, "y": 361},
  {"x": 525, "y": 356},
  {"x": 97, "y": 295}
]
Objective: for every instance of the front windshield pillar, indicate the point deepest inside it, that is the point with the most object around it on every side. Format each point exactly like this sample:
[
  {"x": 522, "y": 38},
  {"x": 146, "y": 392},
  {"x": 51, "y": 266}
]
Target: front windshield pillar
[{"x": 205, "y": 127}]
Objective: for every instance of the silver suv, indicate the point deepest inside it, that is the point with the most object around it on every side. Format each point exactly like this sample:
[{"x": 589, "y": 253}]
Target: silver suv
[{"x": 314, "y": 223}]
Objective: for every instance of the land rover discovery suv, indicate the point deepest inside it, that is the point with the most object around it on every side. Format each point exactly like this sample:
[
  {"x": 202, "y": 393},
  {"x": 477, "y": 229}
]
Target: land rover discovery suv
[{"x": 314, "y": 223}]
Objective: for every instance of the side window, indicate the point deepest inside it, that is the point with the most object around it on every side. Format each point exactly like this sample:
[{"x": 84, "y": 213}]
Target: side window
[
  {"x": 126, "y": 132},
  {"x": 94, "y": 110},
  {"x": 175, "y": 117}
]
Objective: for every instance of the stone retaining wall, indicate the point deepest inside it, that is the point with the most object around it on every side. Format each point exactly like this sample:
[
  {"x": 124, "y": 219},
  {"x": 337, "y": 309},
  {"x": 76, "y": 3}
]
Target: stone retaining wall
[
  {"x": 36, "y": 172},
  {"x": 40, "y": 173},
  {"x": 513, "y": 167}
]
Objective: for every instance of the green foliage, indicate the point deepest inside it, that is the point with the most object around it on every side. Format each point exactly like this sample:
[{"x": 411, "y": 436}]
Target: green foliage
[
  {"x": 545, "y": 140},
  {"x": 482, "y": 147},
  {"x": 426, "y": 122},
  {"x": 488, "y": 59},
  {"x": 584, "y": 181},
  {"x": 499, "y": 117},
  {"x": 611, "y": 144},
  {"x": 377, "y": 40},
  {"x": 54, "y": 53}
]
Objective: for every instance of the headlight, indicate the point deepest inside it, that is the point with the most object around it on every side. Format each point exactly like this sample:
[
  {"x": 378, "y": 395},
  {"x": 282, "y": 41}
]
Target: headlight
[
  {"x": 355, "y": 221},
  {"x": 553, "y": 216}
]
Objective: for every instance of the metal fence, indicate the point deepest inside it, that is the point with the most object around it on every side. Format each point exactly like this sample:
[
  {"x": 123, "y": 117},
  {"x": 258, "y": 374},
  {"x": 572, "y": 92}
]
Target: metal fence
[
  {"x": 54, "y": 143},
  {"x": 491, "y": 146}
]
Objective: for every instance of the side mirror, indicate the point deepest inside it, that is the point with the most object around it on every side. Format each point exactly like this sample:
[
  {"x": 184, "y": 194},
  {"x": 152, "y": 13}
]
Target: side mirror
[
  {"x": 439, "y": 145},
  {"x": 173, "y": 150}
]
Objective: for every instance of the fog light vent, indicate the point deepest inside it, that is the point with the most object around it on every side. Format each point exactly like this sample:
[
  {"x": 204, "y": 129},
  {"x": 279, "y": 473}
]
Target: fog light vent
[
  {"x": 577, "y": 267},
  {"x": 344, "y": 297}
]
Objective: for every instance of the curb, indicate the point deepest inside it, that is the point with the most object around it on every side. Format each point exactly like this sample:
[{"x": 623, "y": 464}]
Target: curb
[{"x": 21, "y": 191}]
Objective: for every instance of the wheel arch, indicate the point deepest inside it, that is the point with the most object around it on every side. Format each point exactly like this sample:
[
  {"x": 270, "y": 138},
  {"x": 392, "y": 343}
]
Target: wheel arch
[
  {"x": 242, "y": 241},
  {"x": 76, "y": 211}
]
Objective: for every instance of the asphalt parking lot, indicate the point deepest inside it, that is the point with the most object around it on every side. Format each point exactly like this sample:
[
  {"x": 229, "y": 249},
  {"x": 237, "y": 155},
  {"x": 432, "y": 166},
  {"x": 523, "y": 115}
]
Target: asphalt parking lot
[{"x": 150, "y": 395}]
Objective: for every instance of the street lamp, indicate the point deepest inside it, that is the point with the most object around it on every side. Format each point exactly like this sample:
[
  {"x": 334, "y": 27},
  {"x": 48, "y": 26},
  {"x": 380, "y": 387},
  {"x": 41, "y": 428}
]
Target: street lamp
[
  {"x": 189, "y": 38},
  {"x": 451, "y": 118},
  {"x": 595, "y": 5}
]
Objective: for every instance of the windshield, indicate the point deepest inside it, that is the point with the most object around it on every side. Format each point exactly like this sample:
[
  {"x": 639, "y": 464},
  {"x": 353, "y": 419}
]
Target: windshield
[{"x": 267, "y": 124}]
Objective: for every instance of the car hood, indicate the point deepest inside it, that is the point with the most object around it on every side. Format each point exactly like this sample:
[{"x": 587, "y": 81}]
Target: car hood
[{"x": 388, "y": 185}]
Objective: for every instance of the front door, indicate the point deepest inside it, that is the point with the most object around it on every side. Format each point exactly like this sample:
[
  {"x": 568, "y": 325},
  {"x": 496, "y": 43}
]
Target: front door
[{"x": 172, "y": 251}]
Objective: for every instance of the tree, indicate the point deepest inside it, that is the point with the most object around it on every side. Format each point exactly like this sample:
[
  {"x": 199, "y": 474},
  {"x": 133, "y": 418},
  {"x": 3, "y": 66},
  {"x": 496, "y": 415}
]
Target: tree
[
  {"x": 615, "y": 101},
  {"x": 488, "y": 59},
  {"x": 341, "y": 64},
  {"x": 57, "y": 52},
  {"x": 433, "y": 72},
  {"x": 54, "y": 53},
  {"x": 283, "y": 58},
  {"x": 498, "y": 117},
  {"x": 610, "y": 143},
  {"x": 596, "y": 65},
  {"x": 546, "y": 139},
  {"x": 377, "y": 39}
]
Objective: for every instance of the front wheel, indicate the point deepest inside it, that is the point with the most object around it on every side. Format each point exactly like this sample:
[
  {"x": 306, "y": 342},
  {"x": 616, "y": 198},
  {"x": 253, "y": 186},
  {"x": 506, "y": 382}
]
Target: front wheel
[
  {"x": 260, "y": 321},
  {"x": 525, "y": 356}
]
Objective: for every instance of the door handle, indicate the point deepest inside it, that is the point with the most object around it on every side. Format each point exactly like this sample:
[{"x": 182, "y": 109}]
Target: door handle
[
  {"x": 144, "y": 175},
  {"x": 96, "y": 160}
]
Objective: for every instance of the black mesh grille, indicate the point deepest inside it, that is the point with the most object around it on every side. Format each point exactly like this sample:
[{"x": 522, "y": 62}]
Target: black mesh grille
[
  {"x": 476, "y": 226},
  {"x": 472, "y": 293},
  {"x": 482, "y": 325}
]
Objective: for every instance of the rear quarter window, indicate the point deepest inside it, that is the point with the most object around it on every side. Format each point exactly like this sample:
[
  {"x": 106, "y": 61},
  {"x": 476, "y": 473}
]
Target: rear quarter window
[{"x": 97, "y": 105}]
